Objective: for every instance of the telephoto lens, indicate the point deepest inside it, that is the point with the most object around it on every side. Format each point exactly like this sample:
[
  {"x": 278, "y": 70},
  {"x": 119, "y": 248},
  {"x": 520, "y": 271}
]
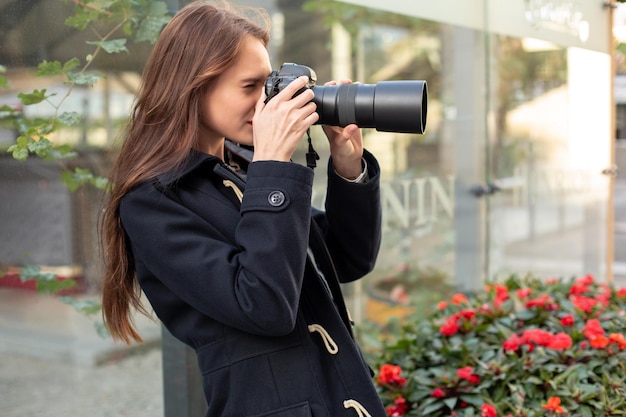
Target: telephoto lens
[{"x": 387, "y": 106}]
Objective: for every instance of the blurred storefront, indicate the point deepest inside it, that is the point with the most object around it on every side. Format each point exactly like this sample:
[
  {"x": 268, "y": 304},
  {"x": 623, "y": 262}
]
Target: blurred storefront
[
  {"x": 513, "y": 174},
  {"x": 508, "y": 177}
]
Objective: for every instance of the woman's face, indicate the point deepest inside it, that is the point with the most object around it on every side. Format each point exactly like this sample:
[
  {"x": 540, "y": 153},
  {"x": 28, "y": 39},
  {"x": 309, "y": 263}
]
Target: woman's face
[{"x": 228, "y": 105}]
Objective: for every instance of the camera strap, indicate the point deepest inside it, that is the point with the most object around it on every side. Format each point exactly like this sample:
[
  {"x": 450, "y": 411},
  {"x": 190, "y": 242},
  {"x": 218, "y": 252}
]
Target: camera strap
[{"x": 311, "y": 156}]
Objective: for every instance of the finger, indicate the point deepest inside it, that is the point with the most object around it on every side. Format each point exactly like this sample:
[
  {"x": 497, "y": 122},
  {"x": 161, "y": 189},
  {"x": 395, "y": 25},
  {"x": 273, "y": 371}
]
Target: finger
[
  {"x": 349, "y": 131},
  {"x": 293, "y": 87}
]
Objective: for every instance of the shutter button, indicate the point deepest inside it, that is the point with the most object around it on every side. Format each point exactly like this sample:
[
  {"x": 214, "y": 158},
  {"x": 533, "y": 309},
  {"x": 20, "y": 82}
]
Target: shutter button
[{"x": 276, "y": 198}]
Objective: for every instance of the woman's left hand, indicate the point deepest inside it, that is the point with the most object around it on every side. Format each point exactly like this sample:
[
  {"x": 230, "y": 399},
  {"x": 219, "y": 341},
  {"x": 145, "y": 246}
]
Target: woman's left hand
[{"x": 346, "y": 145}]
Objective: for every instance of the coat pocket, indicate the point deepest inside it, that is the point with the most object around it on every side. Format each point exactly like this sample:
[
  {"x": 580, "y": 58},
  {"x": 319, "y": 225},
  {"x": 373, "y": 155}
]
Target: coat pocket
[{"x": 296, "y": 410}]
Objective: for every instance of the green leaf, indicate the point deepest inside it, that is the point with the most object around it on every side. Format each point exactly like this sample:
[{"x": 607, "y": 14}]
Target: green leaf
[
  {"x": 67, "y": 178},
  {"x": 432, "y": 408},
  {"x": 450, "y": 402},
  {"x": 476, "y": 400},
  {"x": 585, "y": 411},
  {"x": 47, "y": 283},
  {"x": 62, "y": 152},
  {"x": 70, "y": 65},
  {"x": 77, "y": 178},
  {"x": 70, "y": 118},
  {"x": 4, "y": 83},
  {"x": 81, "y": 19},
  {"x": 49, "y": 68},
  {"x": 101, "y": 330},
  {"x": 32, "y": 272},
  {"x": 100, "y": 183},
  {"x": 86, "y": 307},
  {"x": 113, "y": 46},
  {"x": 89, "y": 78},
  {"x": 18, "y": 153},
  {"x": 40, "y": 147},
  {"x": 150, "y": 27},
  {"x": 54, "y": 286},
  {"x": 37, "y": 96}
]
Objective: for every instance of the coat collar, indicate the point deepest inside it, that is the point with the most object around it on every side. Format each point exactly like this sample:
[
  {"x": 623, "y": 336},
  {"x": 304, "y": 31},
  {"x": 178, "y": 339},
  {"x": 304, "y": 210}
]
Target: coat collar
[{"x": 194, "y": 160}]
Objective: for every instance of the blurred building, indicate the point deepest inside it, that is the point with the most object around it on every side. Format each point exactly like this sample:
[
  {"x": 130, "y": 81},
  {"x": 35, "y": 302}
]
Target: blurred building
[{"x": 508, "y": 177}]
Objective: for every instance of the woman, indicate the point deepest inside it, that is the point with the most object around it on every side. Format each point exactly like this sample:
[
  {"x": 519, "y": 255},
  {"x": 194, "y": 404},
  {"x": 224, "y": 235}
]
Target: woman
[{"x": 230, "y": 254}]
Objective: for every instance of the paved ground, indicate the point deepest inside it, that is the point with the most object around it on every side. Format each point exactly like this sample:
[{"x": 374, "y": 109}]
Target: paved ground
[{"x": 130, "y": 387}]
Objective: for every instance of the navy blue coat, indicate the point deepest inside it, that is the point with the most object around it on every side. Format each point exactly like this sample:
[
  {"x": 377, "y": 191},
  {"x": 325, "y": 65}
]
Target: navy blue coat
[{"x": 252, "y": 287}]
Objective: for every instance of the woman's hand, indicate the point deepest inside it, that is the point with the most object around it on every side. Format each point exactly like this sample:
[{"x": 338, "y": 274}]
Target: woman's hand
[
  {"x": 346, "y": 145},
  {"x": 279, "y": 125}
]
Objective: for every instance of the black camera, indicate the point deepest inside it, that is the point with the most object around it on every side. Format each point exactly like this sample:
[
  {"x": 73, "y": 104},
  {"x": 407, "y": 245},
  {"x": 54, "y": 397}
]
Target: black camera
[{"x": 387, "y": 106}]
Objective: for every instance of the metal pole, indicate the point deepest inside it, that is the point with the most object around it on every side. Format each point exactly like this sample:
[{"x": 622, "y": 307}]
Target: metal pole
[
  {"x": 610, "y": 221},
  {"x": 182, "y": 383}
]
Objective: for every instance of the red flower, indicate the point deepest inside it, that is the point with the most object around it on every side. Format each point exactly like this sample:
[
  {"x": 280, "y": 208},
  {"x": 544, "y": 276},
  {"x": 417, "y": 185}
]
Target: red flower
[
  {"x": 502, "y": 294},
  {"x": 537, "y": 336},
  {"x": 554, "y": 404},
  {"x": 579, "y": 288},
  {"x": 398, "y": 408},
  {"x": 599, "y": 342},
  {"x": 618, "y": 339},
  {"x": 466, "y": 314},
  {"x": 459, "y": 299},
  {"x": 543, "y": 301},
  {"x": 442, "y": 305},
  {"x": 512, "y": 343},
  {"x": 621, "y": 292},
  {"x": 450, "y": 327},
  {"x": 593, "y": 329},
  {"x": 560, "y": 341},
  {"x": 586, "y": 280},
  {"x": 568, "y": 320},
  {"x": 390, "y": 375},
  {"x": 467, "y": 373},
  {"x": 586, "y": 304},
  {"x": 438, "y": 393},
  {"x": 488, "y": 410},
  {"x": 523, "y": 293}
]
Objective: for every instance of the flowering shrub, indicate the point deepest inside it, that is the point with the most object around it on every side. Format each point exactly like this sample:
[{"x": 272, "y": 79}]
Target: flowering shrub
[{"x": 522, "y": 348}]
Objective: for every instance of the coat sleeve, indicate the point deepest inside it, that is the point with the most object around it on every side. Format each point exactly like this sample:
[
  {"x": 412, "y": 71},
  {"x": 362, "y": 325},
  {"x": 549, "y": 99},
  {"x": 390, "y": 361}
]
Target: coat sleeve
[
  {"x": 252, "y": 283},
  {"x": 353, "y": 221}
]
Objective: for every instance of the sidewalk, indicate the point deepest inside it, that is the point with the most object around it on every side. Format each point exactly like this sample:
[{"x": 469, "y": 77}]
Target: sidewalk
[
  {"x": 130, "y": 387},
  {"x": 54, "y": 364}
]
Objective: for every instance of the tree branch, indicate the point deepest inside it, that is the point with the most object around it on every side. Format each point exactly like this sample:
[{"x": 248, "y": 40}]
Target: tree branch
[{"x": 91, "y": 7}]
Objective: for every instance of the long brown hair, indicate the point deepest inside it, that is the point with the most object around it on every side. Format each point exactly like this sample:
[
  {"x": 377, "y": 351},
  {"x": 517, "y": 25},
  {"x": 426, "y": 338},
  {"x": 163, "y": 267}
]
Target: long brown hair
[{"x": 199, "y": 43}]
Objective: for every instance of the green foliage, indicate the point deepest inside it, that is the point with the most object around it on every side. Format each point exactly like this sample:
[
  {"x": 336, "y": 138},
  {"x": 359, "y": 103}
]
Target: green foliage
[
  {"x": 139, "y": 20},
  {"x": 523, "y": 348},
  {"x": 149, "y": 26},
  {"x": 3, "y": 81},
  {"x": 74, "y": 179},
  {"x": 89, "y": 308},
  {"x": 45, "y": 282}
]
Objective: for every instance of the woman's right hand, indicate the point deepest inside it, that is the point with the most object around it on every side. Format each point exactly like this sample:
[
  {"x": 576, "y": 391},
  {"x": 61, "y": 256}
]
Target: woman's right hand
[{"x": 280, "y": 124}]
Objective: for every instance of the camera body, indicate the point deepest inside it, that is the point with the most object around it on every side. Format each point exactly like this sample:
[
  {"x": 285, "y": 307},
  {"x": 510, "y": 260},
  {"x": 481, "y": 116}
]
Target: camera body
[
  {"x": 289, "y": 72},
  {"x": 387, "y": 106}
]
